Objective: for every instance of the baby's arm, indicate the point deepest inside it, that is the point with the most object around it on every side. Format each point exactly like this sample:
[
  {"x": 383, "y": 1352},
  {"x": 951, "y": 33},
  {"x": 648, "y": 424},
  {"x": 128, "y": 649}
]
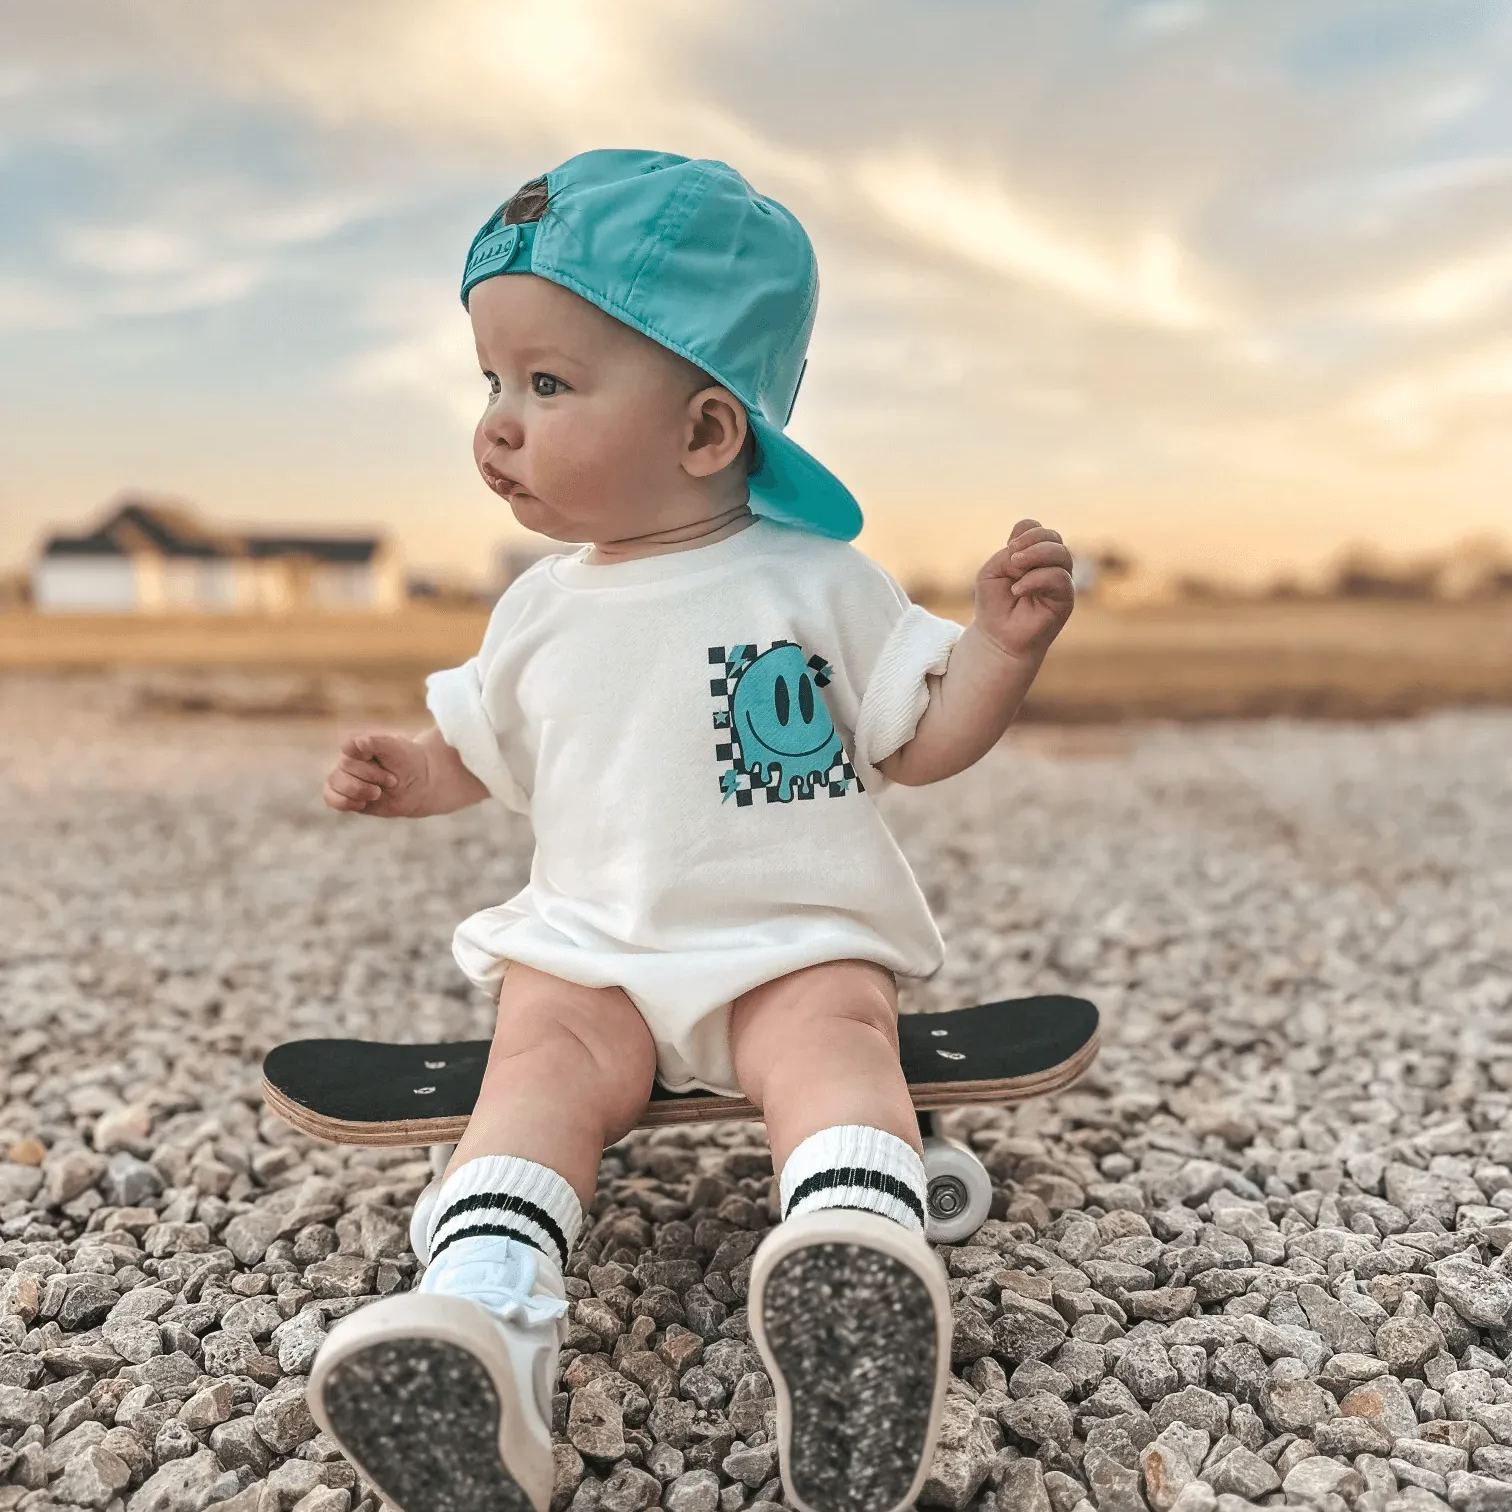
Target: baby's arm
[
  {"x": 969, "y": 709},
  {"x": 449, "y": 786},
  {"x": 1024, "y": 595},
  {"x": 389, "y": 776}
]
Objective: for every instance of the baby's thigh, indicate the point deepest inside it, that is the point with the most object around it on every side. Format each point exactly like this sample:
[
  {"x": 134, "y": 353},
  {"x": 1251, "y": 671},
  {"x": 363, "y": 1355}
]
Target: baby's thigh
[
  {"x": 539, "y": 1012},
  {"x": 774, "y": 1021}
]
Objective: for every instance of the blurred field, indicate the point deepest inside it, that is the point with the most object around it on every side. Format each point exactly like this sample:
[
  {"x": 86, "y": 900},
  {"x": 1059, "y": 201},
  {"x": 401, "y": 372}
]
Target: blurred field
[{"x": 1331, "y": 659}]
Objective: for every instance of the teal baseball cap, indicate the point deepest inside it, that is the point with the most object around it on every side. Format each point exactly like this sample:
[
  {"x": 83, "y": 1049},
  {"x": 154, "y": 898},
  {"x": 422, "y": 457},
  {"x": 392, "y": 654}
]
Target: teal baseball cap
[{"x": 686, "y": 252}]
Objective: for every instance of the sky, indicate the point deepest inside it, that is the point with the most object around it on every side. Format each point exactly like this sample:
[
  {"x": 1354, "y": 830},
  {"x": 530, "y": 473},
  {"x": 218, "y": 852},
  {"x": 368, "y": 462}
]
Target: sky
[{"x": 1225, "y": 286}]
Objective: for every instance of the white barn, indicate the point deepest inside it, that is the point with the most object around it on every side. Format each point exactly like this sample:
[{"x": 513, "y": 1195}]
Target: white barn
[{"x": 156, "y": 558}]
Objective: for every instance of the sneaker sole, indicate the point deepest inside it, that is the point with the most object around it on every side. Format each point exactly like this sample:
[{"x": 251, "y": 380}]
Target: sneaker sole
[
  {"x": 420, "y": 1415},
  {"x": 857, "y": 1342}
]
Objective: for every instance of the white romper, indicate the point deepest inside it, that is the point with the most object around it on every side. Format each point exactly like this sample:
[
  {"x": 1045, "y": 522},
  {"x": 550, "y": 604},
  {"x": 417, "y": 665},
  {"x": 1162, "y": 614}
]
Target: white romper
[{"x": 694, "y": 736}]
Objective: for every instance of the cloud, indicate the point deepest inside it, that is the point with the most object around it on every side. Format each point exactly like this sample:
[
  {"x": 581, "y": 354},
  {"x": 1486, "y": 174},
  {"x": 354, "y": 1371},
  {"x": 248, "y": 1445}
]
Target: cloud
[
  {"x": 29, "y": 304},
  {"x": 178, "y": 258},
  {"x": 423, "y": 352},
  {"x": 1417, "y": 408},
  {"x": 1461, "y": 288},
  {"x": 974, "y": 219},
  {"x": 129, "y": 251},
  {"x": 1164, "y": 16},
  {"x": 1171, "y": 246}
]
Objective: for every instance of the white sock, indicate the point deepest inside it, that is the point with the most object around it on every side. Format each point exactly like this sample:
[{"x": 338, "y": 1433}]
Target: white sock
[
  {"x": 501, "y": 1200},
  {"x": 855, "y": 1165}
]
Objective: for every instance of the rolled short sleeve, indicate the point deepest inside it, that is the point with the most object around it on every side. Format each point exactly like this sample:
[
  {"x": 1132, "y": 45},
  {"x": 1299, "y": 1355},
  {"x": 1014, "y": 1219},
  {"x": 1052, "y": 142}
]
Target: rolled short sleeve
[
  {"x": 897, "y": 692},
  {"x": 455, "y": 700},
  {"x": 890, "y": 646}
]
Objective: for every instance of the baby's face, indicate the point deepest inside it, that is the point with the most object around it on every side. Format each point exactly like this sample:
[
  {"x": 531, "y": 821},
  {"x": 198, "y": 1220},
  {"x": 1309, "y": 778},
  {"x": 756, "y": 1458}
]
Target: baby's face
[{"x": 586, "y": 415}]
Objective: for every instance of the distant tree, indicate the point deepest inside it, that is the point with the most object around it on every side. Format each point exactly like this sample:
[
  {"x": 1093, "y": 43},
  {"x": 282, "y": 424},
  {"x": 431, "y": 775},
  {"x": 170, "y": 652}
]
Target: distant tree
[
  {"x": 1284, "y": 587},
  {"x": 1194, "y": 587},
  {"x": 925, "y": 588},
  {"x": 1362, "y": 572},
  {"x": 1483, "y": 546},
  {"x": 15, "y": 589}
]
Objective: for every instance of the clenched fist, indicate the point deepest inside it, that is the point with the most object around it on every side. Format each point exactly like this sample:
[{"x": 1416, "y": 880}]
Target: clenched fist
[
  {"x": 379, "y": 774},
  {"x": 1025, "y": 592}
]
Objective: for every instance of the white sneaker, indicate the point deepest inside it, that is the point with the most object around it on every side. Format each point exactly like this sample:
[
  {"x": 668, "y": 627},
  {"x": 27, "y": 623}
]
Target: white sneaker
[
  {"x": 851, "y": 1315},
  {"x": 443, "y": 1402}
]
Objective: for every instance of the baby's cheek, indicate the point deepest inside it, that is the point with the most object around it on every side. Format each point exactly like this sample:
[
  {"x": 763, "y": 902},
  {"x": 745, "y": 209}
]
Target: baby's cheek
[{"x": 582, "y": 452}]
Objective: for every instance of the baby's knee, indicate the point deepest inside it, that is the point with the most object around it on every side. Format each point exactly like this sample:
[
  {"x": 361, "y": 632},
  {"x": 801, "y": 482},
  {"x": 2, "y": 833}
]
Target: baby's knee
[
  {"x": 792, "y": 1019},
  {"x": 599, "y": 1044}
]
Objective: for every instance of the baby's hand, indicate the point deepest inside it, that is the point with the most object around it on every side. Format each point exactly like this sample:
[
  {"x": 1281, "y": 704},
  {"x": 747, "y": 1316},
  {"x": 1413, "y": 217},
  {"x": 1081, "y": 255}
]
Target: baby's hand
[
  {"x": 1025, "y": 592},
  {"x": 379, "y": 774}
]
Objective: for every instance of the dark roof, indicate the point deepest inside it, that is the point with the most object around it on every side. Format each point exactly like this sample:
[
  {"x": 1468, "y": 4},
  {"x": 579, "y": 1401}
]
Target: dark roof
[
  {"x": 328, "y": 548},
  {"x": 175, "y": 532}
]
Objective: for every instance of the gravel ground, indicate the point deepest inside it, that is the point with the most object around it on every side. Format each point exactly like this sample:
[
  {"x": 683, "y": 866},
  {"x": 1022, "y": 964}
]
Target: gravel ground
[{"x": 1258, "y": 1256}]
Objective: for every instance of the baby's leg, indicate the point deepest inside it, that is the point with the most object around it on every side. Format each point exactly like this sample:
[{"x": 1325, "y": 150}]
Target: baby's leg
[
  {"x": 434, "y": 1404},
  {"x": 569, "y": 1073},
  {"x": 817, "y": 1049},
  {"x": 849, "y": 1311}
]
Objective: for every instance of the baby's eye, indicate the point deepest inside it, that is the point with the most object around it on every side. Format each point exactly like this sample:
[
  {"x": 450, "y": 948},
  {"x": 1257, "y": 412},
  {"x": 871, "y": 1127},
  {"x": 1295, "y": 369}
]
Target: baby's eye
[{"x": 494, "y": 387}]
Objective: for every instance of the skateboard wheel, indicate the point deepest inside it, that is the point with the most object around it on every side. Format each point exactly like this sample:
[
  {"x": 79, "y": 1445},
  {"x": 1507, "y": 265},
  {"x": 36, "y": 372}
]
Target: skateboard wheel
[{"x": 959, "y": 1191}]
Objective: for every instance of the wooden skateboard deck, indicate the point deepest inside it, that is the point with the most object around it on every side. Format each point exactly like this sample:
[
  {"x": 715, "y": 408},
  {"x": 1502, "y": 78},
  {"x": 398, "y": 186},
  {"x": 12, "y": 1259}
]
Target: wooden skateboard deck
[{"x": 368, "y": 1092}]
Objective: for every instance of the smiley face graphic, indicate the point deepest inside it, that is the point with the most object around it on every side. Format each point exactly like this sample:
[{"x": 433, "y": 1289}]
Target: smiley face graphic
[{"x": 785, "y": 731}]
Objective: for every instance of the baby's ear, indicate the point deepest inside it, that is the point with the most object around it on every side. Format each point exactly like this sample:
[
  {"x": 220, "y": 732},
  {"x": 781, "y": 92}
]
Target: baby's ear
[{"x": 715, "y": 440}]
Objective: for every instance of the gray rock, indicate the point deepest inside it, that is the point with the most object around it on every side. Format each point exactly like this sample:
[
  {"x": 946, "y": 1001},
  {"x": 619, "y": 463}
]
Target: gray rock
[
  {"x": 1347, "y": 1437},
  {"x": 1477, "y": 1493},
  {"x": 1114, "y": 1486},
  {"x": 282, "y": 1418},
  {"x": 1195, "y": 1406},
  {"x": 693, "y": 1491},
  {"x": 1166, "y": 1471},
  {"x": 1023, "y": 1487},
  {"x": 1027, "y": 1330},
  {"x": 595, "y": 1426},
  {"x": 1242, "y": 1473},
  {"x": 237, "y": 1444},
  {"x": 1384, "y": 1403},
  {"x": 1318, "y": 1476},
  {"x": 1408, "y": 1343},
  {"x": 1196, "y": 1496},
  {"x": 1478, "y": 1295},
  {"x": 186, "y": 1485},
  {"x": 1146, "y": 1369},
  {"x": 1038, "y": 1418},
  {"x": 1345, "y": 1332},
  {"x": 969, "y": 1441},
  {"x": 91, "y": 1479},
  {"x": 174, "y": 1441},
  {"x": 1292, "y": 1403}
]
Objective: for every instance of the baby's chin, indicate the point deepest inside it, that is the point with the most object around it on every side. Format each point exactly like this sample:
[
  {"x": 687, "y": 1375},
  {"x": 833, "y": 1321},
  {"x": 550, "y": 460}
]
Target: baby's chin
[{"x": 539, "y": 520}]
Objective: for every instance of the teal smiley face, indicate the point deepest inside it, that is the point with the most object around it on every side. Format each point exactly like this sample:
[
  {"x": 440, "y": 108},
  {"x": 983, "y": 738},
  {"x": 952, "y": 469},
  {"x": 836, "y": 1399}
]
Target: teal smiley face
[{"x": 785, "y": 731}]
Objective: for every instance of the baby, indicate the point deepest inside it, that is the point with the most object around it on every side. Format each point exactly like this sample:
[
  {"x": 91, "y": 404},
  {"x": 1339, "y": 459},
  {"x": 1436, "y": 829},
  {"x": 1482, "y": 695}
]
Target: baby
[{"x": 696, "y": 710}]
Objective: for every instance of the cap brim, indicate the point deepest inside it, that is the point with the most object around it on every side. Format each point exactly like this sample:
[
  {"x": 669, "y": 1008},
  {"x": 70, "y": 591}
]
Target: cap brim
[{"x": 794, "y": 488}]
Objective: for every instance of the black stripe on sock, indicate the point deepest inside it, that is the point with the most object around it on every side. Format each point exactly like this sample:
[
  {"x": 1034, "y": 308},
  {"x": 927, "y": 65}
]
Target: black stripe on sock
[
  {"x": 499, "y": 1230},
  {"x": 510, "y": 1203},
  {"x": 862, "y": 1176}
]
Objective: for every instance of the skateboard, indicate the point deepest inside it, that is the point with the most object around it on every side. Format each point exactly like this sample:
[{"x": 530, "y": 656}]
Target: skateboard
[{"x": 368, "y": 1092}]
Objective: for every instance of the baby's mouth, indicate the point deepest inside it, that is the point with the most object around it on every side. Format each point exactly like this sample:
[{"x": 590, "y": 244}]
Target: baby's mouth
[{"x": 504, "y": 486}]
